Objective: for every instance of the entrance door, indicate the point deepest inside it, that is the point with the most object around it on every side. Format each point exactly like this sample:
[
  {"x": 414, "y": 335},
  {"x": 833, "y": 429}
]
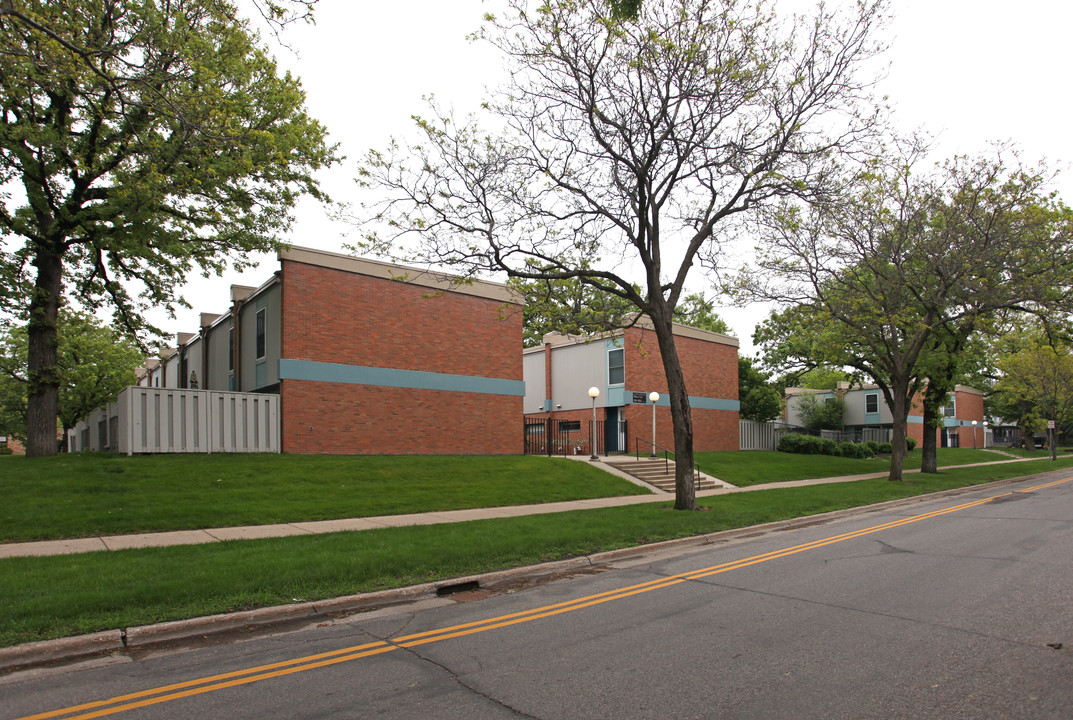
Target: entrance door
[{"x": 613, "y": 435}]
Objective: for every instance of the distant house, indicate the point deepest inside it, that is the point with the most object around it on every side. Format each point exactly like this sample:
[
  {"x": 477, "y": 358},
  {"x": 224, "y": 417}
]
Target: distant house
[
  {"x": 866, "y": 414},
  {"x": 626, "y": 367},
  {"x": 366, "y": 357}
]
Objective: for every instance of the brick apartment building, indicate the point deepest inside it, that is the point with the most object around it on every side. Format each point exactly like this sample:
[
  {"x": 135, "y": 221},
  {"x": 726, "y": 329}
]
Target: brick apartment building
[
  {"x": 367, "y": 357},
  {"x": 626, "y": 367},
  {"x": 865, "y": 409}
]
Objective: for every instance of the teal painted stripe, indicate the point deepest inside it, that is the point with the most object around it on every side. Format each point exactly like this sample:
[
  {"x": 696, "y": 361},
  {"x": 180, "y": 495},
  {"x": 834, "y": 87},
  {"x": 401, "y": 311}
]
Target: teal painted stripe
[
  {"x": 616, "y": 397},
  {"x": 703, "y": 403},
  {"x": 915, "y": 419},
  {"x": 390, "y": 377}
]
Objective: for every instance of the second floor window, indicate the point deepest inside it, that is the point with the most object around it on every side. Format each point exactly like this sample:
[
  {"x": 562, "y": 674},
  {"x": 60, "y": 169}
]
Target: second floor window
[
  {"x": 261, "y": 333},
  {"x": 871, "y": 403},
  {"x": 616, "y": 367}
]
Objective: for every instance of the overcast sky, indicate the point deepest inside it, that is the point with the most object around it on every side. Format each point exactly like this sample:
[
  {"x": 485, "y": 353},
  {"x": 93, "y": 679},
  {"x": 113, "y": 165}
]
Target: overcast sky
[{"x": 967, "y": 72}]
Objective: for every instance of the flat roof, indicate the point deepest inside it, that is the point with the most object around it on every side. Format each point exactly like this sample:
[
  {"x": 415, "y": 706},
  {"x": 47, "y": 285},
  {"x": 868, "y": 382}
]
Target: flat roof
[
  {"x": 559, "y": 339},
  {"x": 402, "y": 273}
]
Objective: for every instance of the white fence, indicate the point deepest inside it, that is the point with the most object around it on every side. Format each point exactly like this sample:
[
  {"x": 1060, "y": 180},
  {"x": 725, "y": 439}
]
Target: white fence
[
  {"x": 167, "y": 420},
  {"x": 754, "y": 435}
]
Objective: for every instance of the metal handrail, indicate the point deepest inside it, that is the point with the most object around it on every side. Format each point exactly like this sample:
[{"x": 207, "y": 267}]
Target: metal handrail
[{"x": 666, "y": 453}]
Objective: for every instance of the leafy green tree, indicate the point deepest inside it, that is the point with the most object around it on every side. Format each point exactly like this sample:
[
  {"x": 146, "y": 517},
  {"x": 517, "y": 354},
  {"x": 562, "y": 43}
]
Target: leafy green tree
[
  {"x": 697, "y": 311},
  {"x": 1039, "y": 379},
  {"x": 905, "y": 256},
  {"x": 139, "y": 140},
  {"x": 820, "y": 413},
  {"x": 568, "y": 306},
  {"x": 823, "y": 377},
  {"x": 760, "y": 399},
  {"x": 640, "y": 141},
  {"x": 93, "y": 362}
]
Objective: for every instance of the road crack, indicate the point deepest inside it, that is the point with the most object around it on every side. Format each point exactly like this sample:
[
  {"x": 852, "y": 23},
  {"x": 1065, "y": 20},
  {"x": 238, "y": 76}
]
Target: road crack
[{"x": 462, "y": 683}]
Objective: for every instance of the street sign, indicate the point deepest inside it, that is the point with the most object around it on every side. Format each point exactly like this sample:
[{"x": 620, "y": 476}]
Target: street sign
[{"x": 1050, "y": 424}]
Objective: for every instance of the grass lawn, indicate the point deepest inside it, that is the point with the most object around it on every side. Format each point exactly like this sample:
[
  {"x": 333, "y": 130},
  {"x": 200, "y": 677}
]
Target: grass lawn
[
  {"x": 63, "y": 595},
  {"x": 753, "y": 467},
  {"x": 91, "y": 494}
]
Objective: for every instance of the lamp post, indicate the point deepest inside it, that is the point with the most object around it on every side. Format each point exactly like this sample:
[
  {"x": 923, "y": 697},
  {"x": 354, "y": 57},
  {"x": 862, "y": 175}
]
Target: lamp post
[
  {"x": 594, "y": 392},
  {"x": 654, "y": 397},
  {"x": 973, "y": 434},
  {"x": 985, "y": 434}
]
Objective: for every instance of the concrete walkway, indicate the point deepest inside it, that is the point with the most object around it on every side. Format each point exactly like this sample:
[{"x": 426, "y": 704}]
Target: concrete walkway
[{"x": 195, "y": 537}]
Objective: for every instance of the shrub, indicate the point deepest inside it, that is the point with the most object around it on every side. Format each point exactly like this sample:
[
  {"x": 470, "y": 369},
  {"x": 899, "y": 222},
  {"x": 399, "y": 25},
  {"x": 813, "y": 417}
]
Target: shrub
[
  {"x": 6, "y": 451},
  {"x": 873, "y": 446},
  {"x": 792, "y": 443},
  {"x": 910, "y": 443},
  {"x": 854, "y": 450},
  {"x": 811, "y": 445},
  {"x": 885, "y": 447},
  {"x": 801, "y": 444}
]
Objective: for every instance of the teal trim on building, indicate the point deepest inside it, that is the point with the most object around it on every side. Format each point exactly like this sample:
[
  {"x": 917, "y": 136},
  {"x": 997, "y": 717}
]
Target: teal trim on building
[
  {"x": 391, "y": 377},
  {"x": 915, "y": 419},
  {"x": 619, "y": 396},
  {"x": 703, "y": 403}
]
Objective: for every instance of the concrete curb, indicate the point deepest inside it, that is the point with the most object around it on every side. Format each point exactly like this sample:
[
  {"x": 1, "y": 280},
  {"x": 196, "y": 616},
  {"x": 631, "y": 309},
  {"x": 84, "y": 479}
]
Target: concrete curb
[{"x": 19, "y": 657}]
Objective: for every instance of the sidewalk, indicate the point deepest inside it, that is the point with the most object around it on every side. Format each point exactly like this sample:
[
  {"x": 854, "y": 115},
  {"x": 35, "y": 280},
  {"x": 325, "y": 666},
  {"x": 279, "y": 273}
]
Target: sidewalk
[{"x": 196, "y": 537}]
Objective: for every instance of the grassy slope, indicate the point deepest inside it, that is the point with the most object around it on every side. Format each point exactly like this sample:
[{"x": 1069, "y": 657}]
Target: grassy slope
[
  {"x": 63, "y": 595},
  {"x": 91, "y": 494},
  {"x": 752, "y": 467}
]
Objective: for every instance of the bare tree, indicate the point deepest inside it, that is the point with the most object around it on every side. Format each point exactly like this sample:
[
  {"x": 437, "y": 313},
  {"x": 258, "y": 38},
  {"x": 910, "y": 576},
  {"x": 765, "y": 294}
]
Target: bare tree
[{"x": 625, "y": 150}]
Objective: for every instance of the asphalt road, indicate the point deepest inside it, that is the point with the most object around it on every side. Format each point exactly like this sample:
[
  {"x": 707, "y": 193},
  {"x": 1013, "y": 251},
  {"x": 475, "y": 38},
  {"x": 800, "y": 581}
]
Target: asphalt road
[{"x": 942, "y": 608}]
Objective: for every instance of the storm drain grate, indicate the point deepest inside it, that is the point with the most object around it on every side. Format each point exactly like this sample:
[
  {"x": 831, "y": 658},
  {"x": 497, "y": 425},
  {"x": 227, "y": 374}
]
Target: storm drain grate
[{"x": 445, "y": 590}]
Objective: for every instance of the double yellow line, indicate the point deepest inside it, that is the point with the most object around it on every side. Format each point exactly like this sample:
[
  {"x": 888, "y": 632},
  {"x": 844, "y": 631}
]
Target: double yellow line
[{"x": 200, "y": 686}]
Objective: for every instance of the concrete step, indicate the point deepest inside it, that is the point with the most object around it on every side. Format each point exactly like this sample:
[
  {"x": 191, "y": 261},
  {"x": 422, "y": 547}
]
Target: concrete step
[{"x": 657, "y": 473}]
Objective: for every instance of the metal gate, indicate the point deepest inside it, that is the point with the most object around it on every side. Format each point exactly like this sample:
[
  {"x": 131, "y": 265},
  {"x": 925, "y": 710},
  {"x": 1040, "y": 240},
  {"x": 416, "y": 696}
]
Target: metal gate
[{"x": 552, "y": 436}]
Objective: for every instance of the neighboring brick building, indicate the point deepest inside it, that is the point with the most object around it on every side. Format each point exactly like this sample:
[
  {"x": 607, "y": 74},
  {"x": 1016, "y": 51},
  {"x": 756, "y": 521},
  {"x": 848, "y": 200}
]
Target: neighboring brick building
[
  {"x": 865, "y": 409},
  {"x": 625, "y": 368},
  {"x": 367, "y": 357}
]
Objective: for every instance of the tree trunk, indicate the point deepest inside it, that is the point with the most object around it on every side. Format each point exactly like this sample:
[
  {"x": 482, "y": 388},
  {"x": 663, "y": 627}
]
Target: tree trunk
[
  {"x": 934, "y": 397},
  {"x": 685, "y": 492},
  {"x": 899, "y": 411},
  {"x": 43, "y": 390}
]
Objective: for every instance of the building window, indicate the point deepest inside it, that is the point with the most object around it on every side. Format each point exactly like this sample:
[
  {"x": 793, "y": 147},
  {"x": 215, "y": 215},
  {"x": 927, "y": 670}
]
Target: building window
[
  {"x": 948, "y": 410},
  {"x": 616, "y": 367},
  {"x": 570, "y": 426},
  {"x": 871, "y": 403},
  {"x": 261, "y": 333}
]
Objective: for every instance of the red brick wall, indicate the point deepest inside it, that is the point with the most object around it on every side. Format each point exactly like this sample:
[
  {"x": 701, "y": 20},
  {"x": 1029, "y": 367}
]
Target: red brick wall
[
  {"x": 968, "y": 407},
  {"x": 340, "y": 317},
  {"x": 711, "y": 371},
  {"x": 369, "y": 420}
]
